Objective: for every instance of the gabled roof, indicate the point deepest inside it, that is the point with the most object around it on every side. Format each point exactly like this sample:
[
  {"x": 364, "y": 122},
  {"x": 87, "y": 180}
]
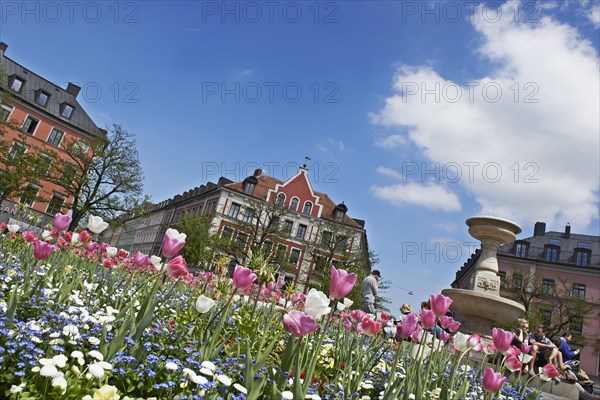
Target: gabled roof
[
  {"x": 34, "y": 82},
  {"x": 267, "y": 183}
]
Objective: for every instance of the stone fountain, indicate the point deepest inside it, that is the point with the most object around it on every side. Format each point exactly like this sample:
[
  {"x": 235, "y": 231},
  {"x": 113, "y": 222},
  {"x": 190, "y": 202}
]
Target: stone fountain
[{"x": 480, "y": 307}]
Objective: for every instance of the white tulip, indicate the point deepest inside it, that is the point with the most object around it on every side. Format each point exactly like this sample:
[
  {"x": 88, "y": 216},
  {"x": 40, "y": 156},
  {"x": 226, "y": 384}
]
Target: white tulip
[
  {"x": 96, "y": 224},
  {"x": 204, "y": 304},
  {"x": 316, "y": 304}
]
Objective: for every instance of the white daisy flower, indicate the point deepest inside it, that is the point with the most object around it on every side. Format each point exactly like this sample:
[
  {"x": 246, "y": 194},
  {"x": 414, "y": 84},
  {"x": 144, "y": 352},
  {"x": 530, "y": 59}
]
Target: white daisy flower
[
  {"x": 240, "y": 388},
  {"x": 225, "y": 380},
  {"x": 49, "y": 371},
  {"x": 96, "y": 354},
  {"x": 96, "y": 370},
  {"x": 199, "y": 379},
  {"x": 209, "y": 365},
  {"x": 171, "y": 366}
]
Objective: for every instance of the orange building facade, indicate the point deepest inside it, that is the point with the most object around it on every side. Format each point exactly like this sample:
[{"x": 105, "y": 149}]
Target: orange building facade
[{"x": 40, "y": 116}]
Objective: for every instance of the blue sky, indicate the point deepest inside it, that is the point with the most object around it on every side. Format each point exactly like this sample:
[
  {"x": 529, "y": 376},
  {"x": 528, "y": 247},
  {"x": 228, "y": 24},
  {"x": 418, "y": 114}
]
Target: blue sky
[{"x": 368, "y": 90}]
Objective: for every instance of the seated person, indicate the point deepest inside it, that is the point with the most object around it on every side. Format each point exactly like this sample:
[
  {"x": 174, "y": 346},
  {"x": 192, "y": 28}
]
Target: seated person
[
  {"x": 404, "y": 311},
  {"x": 569, "y": 355},
  {"x": 543, "y": 350}
]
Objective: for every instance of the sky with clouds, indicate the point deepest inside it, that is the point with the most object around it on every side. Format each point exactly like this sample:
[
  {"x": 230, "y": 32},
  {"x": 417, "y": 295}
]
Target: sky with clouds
[{"x": 416, "y": 114}]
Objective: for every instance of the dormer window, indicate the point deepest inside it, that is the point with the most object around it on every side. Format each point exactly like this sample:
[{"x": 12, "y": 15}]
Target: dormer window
[
  {"x": 582, "y": 256},
  {"x": 66, "y": 110},
  {"x": 520, "y": 249},
  {"x": 280, "y": 199},
  {"x": 551, "y": 253},
  {"x": 294, "y": 204},
  {"x": 307, "y": 208},
  {"x": 249, "y": 185},
  {"x": 41, "y": 98},
  {"x": 339, "y": 212},
  {"x": 17, "y": 84}
]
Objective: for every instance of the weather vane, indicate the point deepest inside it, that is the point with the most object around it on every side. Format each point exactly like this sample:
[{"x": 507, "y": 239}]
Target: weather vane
[{"x": 306, "y": 160}]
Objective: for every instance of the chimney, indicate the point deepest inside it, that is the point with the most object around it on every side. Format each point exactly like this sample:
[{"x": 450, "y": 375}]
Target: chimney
[
  {"x": 3, "y": 47},
  {"x": 73, "y": 89},
  {"x": 258, "y": 172},
  {"x": 567, "y": 234},
  {"x": 539, "y": 229}
]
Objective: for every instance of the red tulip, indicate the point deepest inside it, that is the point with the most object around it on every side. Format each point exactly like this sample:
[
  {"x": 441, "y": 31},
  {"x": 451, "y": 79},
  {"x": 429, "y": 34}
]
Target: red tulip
[
  {"x": 368, "y": 326},
  {"x": 299, "y": 324},
  {"x": 30, "y": 236},
  {"x": 243, "y": 278},
  {"x": 502, "y": 339},
  {"x": 440, "y": 304},
  {"x": 341, "y": 283},
  {"x": 492, "y": 381},
  {"x": 84, "y": 236},
  {"x": 177, "y": 268}
]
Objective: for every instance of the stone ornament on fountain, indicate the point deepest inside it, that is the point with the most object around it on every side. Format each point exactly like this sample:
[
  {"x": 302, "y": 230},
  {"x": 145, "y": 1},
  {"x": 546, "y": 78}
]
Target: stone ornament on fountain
[{"x": 480, "y": 306}]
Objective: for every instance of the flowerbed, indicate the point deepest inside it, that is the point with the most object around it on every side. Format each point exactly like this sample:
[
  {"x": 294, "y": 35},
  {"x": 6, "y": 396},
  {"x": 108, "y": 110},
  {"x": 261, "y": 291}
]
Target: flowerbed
[{"x": 82, "y": 320}]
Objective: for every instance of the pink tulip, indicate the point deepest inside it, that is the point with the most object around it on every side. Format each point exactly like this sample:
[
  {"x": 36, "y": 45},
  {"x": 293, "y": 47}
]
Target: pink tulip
[
  {"x": 177, "y": 268},
  {"x": 341, "y": 283},
  {"x": 490, "y": 349},
  {"x": 173, "y": 242},
  {"x": 492, "y": 381},
  {"x": 427, "y": 318},
  {"x": 444, "y": 336},
  {"x": 502, "y": 339},
  {"x": 385, "y": 317},
  {"x": 416, "y": 334},
  {"x": 474, "y": 343},
  {"x": 525, "y": 348},
  {"x": 449, "y": 323},
  {"x": 368, "y": 326},
  {"x": 30, "y": 236},
  {"x": 406, "y": 328},
  {"x": 84, "y": 236},
  {"x": 140, "y": 259},
  {"x": 512, "y": 363},
  {"x": 357, "y": 315},
  {"x": 512, "y": 351},
  {"x": 347, "y": 324},
  {"x": 549, "y": 371},
  {"x": 62, "y": 222},
  {"x": 299, "y": 324},
  {"x": 42, "y": 250},
  {"x": 243, "y": 278},
  {"x": 91, "y": 246},
  {"x": 108, "y": 263},
  {"x": 440, "y": 304}
]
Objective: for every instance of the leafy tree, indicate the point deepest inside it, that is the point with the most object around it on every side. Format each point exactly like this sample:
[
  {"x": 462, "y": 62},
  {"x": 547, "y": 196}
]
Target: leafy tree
[
  {"x": 553, "y": 304},
  {"x": 103, "y": 176},
  {"x": 201, "y": 242}
]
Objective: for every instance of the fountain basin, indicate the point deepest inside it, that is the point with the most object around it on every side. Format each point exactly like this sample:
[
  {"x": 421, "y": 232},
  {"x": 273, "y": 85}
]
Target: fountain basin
[{"x": 491, "y": 228}]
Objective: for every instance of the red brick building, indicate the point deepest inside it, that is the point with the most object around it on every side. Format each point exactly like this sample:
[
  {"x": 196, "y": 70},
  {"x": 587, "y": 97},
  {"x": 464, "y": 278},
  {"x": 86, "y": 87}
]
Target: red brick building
[{"x": 48, "y": 116}]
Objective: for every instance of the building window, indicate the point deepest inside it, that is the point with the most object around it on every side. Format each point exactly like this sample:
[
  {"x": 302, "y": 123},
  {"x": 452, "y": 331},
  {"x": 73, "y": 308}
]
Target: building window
[
  {"x": 341, "y": 243},
  {"x": 502, "y": 275},
  {"x": 17, "y": 150},
  {"x": 5, "y": 111},
  {"x": 521, "y": 249},
  {"x": 241, "y": 240},
  {"x": 66, "y": 110},
  {"x": 582, "y": 257},
  {"x": 338, "y": 215},
  {"x": 555, "y": 242},
  {"x": 294, "y": 204},
  {"x": 576, "y": 324},
  {"x": 29, "y": 194},
  {"x": 546, "y": 316},
  {"x": 517, "y": 281},
  {"x": 301, "y": 231},
  {"x": 234, "y": 210},
  {"x": 43, "y": 164},
  {"x": 30, "y": 124},
  {"x": 17, "y": 84},
  {"x": 267, "y": 247},
  {"x": 280, "y": 253},
  {"x": 307, "y": 208},
  {"x": 280, "y": 199},
  {"x": 295, "y": 256},
  {"x": 583, "y": 245},
  {"x": 55, "y": 137},
  {"x": 41, "y": 98},
  {"x": 248, "y": 215},
  {"x": 548, "y": 286},
  {"x": 326, "y": 239},
  {"x": 55, "y": 204},
  {"x": 551, "y": 253},
  {"x": 226, "y": 233},
  {"x": 578, "y": 291},
  {"x": 287, "y": 226}
]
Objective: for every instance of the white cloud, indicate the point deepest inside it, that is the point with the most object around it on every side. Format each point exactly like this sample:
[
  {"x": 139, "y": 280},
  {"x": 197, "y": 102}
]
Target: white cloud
[
  {"x": 531, "y": 155},
  {"x": 331, "y": 146},
  {"x": 593, "y": 14},
  {"x": 389, "y": 172},
  {"x": 391, "y": 141},
  {"x": 431, "y": 196}
]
